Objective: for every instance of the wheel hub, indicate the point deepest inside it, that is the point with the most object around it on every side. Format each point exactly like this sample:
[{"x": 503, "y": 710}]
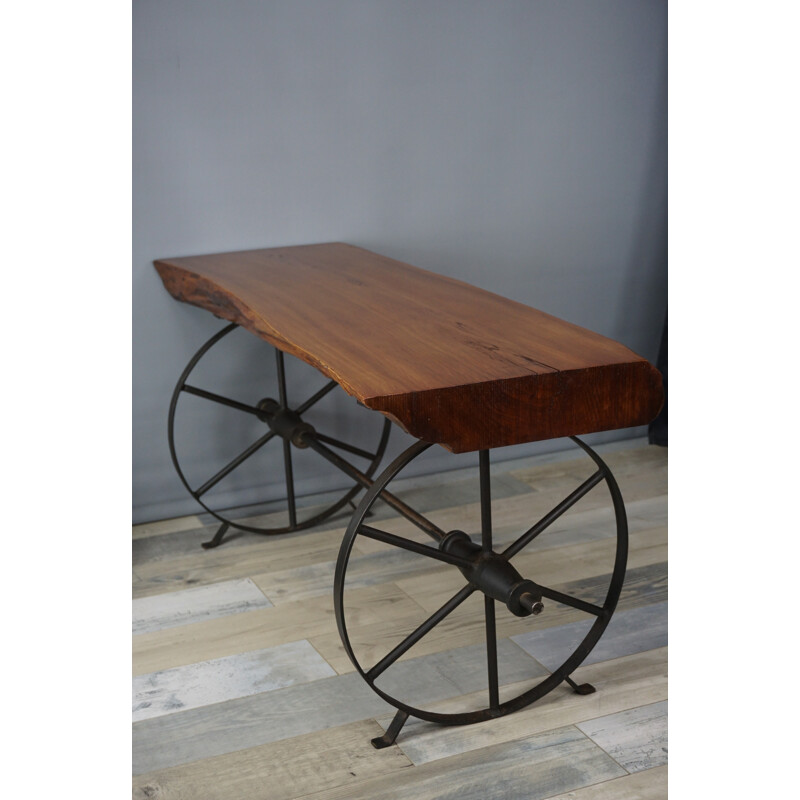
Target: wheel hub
[
  {"x": 284, "y": 422},
  {"x": 494, "y": 575}
]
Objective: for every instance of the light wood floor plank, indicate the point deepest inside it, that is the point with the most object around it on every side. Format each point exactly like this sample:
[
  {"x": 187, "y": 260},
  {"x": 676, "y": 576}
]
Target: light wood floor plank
[
  {"x": 460, "y": 671},
  {"x": 336, "y": 757},
  {"x": 624, "y": 464},
  {"x": 648, "y": 785},
  {"x": 514, "y": 515},
  {"x": 316, "y": 580},
  {"x": 252, "y": 721},
  {"x": 199, "y": 603},
  {"x": 255, "y": 630},
  {"x": 166, "y": 526},
  {"x": 330, "y": 702},
  {"x": 240, "y": 675},
  {"x": 185, "y": 534},
  {"x": 465, "y": 626},
  {"x": 621, "y": 684},
  {"x": 635, "y": 482},
  {"x": 211, "y": 566},
  {"x": 395, "y": 564},
  {"x": 527, "y": 769},
  {"x": 636, "y": 738},
  {"x": 546, "y": 566}
]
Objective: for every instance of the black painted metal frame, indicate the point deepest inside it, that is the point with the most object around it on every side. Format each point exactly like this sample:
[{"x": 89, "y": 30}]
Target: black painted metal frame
[
  {"x": 483, "y": 568},
  {"x": 284, "y": 422},
  {"x": 491, "y": 573}
]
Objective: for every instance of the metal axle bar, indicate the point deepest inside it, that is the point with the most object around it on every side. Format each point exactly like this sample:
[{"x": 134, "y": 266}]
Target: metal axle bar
[{"x": 309, "y": 438}]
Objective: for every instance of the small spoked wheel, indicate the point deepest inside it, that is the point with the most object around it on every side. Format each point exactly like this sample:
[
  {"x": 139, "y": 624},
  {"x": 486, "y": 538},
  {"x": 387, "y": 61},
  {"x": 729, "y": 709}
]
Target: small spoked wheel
[
  {"x": 517, "y": 582},
  {"x": 226, "y": 449}
]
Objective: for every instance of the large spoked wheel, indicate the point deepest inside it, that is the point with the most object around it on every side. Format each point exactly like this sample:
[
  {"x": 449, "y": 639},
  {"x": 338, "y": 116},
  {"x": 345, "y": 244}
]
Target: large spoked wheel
[
  {"x": 514, "y": 601},
  {"x": 229, "y": 424}
]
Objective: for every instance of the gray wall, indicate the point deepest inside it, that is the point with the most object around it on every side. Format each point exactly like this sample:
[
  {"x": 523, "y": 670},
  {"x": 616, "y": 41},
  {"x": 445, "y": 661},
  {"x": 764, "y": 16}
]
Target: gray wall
[{"x": 519, "y": 145}]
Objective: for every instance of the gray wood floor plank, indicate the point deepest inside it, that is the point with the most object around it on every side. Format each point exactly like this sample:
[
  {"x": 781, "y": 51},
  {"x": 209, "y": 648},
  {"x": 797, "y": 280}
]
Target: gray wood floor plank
[
  {"x": 279, "y": 770},
  {"x": 637, "y": 739},
  {"x": 200, "y": 567},
  {"x": 621, "y": 684},
  {"x": 643, "y": 586},
  {"x": 533, "y": 768},
  {"x": 549, "y": 565},
  {"x": 183, "y": 607},
  {"x": 579, "y": 525},
  {"x": 420, "y": 681},
  {"x": 155, "y": 541},
  {"x": 516, "y": 514},
  {"x": 648, "y": 785},
  {"x": 267, "y": 627},
  {"x": 247, "y": 722},
  {"x": 251, "y": 721},
  {"x": 390, "y": 564},
  {"x": 188, "y": 540},
  {"x": 635, "y": 485},
  {"x": 423, "y": 494},
  {"x": 630, "y": 631},
  {"x": 628, "y": 467},
  {"x": 241, "y": 675},
  {"x": 315, "y": 580},
  {"x": 387, "y": 563}
]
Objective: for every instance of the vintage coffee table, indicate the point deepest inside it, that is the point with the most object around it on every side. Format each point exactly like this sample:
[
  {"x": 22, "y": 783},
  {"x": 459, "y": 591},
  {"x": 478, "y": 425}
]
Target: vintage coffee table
[{"x": 454, "y": 366}]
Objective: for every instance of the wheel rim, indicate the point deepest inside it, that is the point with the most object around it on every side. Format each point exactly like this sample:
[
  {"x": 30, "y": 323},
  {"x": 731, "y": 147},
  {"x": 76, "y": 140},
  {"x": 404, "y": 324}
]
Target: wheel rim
[
  {"x": 198, "y": 492},
  {"x": 494, "y": 708}
]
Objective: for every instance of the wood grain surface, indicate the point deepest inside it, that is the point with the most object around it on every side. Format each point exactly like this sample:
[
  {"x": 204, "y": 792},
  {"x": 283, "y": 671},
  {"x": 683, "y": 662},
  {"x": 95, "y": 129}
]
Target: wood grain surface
[{"x": 448, "y": 362}]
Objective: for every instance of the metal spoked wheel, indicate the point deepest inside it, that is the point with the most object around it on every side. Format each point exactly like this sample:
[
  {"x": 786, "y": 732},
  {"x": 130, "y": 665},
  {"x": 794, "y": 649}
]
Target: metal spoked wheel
[
  {"x": 512, "y": 602},
  {"x": 256, "y": 424}
]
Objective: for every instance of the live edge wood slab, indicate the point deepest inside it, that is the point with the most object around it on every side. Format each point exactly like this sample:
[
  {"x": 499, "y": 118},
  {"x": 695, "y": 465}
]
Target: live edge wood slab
[{"x": 448, "y": 362}]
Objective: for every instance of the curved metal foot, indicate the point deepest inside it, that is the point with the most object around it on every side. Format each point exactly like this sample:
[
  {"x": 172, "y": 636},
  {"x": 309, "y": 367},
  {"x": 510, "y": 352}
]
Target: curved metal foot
[
  {"x": 217, "y": 540},
  {"x": 389, "y": 738},
  {"x": 583, "y": 688}
]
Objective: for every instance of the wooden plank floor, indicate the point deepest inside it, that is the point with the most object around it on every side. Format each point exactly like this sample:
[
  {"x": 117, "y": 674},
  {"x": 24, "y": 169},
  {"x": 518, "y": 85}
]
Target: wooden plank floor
[{"x": 243, "y": 690}]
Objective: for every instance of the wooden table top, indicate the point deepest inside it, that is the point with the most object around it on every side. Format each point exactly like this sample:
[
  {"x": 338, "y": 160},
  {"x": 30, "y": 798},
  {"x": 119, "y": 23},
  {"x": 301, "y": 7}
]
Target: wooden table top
[{"x": 448, "y": 362}]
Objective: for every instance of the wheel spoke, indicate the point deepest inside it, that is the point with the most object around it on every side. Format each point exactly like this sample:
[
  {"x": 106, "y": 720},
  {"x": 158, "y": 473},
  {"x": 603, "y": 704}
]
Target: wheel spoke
[
  {"x": 218, "y": 398},
  {"x": 357, "y": 451},
  {"x": 287, "y": 464},
  {"x": 554, "y": 514},
  {"x": 417, "y": 634},
  {"x": 315, "y": 398},
  {"x": 231, "y": 466},
  {"x": 491, "y": 652},
  {"x": 281, "y": 379},
  {"x": 568, "y": 600},
  {"x": 414, "y": 547}
]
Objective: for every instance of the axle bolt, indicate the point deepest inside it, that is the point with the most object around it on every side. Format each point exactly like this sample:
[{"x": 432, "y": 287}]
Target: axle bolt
[
  {"x": 267, "y": 408},
  {"x": 531, "y": 603}
]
